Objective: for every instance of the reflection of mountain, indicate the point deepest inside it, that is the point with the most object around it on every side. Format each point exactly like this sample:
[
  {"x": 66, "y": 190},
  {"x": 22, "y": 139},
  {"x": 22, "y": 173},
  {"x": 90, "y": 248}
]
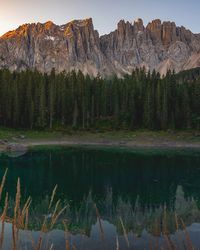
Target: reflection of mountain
[
  {"x": 56, "y": 239},
  {"x": 136, "y": 186},
  {"x": 135, "y": 217}
]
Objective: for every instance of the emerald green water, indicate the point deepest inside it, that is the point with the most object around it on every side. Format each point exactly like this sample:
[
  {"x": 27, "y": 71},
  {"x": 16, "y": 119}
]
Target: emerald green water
[{"x": 109, "y": 177}]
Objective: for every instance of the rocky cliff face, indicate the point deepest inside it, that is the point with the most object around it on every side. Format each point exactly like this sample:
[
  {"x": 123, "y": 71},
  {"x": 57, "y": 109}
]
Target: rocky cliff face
[
  {"x": 76, "y": 45},
  {"x": 159, "y": 46}
]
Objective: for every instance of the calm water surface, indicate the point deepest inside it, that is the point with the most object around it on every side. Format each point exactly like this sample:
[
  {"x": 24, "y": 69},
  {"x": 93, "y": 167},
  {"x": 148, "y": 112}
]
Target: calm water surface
[{"x": 138, "y": 186}]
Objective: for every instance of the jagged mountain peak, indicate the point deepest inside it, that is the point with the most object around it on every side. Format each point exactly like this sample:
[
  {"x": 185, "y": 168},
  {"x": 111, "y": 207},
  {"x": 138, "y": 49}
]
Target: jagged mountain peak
[
  {"x": 49, "y": 25},
  {"x": 77, "y": 45},
  {"x": 82, "y": 22}
]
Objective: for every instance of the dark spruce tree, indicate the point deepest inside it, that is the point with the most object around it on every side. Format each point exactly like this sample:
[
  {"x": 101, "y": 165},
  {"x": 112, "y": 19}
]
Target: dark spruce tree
[{"x": 34, "y": 100}]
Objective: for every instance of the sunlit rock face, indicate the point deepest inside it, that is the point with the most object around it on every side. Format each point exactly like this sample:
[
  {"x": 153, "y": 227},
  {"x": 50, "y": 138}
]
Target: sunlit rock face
[{"x": 77, "y": 45}]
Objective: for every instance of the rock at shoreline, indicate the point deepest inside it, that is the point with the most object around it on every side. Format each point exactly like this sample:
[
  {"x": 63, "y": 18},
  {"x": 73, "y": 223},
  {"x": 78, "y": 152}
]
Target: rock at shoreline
[{"x": 15, "y": 150}]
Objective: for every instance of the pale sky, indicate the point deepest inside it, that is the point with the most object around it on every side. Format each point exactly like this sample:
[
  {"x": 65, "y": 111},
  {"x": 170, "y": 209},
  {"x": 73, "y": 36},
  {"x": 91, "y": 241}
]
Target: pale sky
[{"x": 105, "y": 13}]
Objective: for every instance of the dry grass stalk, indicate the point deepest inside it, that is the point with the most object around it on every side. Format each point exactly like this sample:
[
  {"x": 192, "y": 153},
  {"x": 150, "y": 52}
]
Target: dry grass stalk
[
  {"x": 177, "y": 228},
  {"x": 17, "y": 210},
  {"x": 125, "y": 233},
  {"x": 39, "y": 243},
  {"x": 26, "y": 219},
  {"x": 15, "y": 221},
  {"x": 51, "y": 247},
  {"x": 189, "y": 247},
  {"x": 55, "y": 218},
  {"x": 3, "y": 217},
  {"x": 23, "y": 216},
  {"x": 26, "y": 206},
  {"x": 55, "y": 210},
  {"x": 44, "y": 225},
  {"x": 14, "y": 244},
  {"x": 170, "y": 244},
  {"x": 99, "y": 220},
  {"x": 67, "y": 243},
  {"x": 65, "y": 226},
  {"x": 52, "y": 196},
  {"x": 176, "y": 221},
  {"x": 117, "y": 243},
  {"x": 3, "y": 183},
  {"x": 156, "y": 233},
  {"x": 43, "y": 230},
  {"x": 17, "y": 202}
]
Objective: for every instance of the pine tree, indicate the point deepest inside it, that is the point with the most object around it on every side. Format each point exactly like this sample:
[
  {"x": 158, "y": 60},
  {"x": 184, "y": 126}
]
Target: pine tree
[{"x": 51, "y": 89}]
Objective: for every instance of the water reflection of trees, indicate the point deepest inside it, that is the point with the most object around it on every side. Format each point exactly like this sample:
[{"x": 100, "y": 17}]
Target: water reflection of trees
[
  {"x": 154, "y": 177},
  {"x": 135, "y": 217},
  {"x": 140, "y": 187}
]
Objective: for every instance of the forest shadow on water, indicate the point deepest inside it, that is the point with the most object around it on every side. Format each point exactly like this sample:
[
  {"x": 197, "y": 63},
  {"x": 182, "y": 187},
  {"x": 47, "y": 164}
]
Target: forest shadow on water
[{"x": 105, "y": 198}]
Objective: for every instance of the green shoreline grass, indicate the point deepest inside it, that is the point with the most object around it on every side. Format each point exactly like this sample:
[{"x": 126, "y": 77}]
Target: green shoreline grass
[
  {"x": 9, "y": 133},
  {"x": 122, "y": 138}
]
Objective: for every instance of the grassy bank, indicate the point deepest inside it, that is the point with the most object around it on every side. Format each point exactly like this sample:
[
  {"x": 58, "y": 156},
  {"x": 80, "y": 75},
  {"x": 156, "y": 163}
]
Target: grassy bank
[{"x": 146, "y": 138}]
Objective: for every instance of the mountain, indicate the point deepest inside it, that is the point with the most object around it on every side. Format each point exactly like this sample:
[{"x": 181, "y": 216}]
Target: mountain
[{"x": 77, "y": 45}]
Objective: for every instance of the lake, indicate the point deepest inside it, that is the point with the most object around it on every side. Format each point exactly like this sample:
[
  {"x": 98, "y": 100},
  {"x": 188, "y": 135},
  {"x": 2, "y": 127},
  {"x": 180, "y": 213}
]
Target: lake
[{"x": 128, "y": 193}]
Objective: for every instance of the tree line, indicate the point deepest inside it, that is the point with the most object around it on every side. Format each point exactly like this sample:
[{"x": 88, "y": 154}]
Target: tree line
[{"x": 33, "y": 100}]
